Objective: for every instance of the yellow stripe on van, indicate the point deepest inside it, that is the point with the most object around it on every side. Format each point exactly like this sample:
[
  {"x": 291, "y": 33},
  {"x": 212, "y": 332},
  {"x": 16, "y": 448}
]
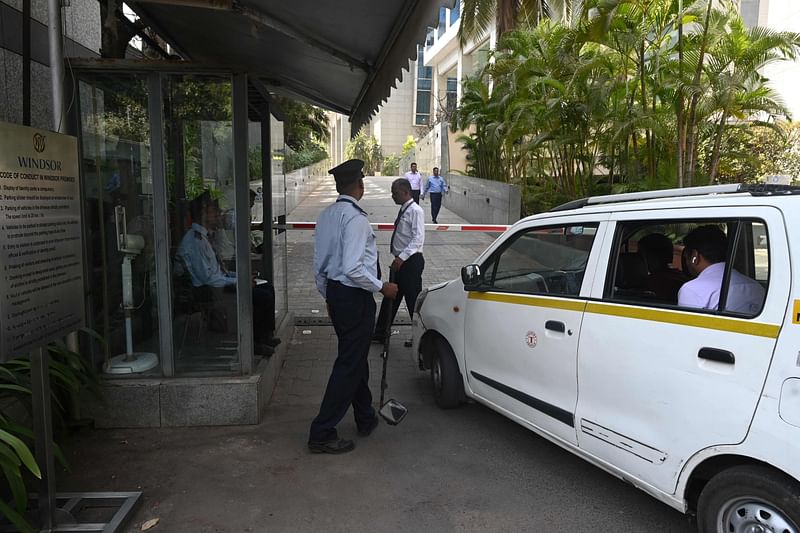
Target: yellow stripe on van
[
  {"x": 734, "y": 325},
  {"x": 534, "y": 301}
]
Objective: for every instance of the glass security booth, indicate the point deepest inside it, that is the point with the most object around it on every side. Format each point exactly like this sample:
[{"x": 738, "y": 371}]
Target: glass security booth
[{"x": 157, "y": 138}]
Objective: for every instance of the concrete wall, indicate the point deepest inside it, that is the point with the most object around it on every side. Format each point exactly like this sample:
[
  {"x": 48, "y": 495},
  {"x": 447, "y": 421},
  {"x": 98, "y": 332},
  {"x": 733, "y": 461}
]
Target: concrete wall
[
  {"x": 81, "y": 39},
  {"x": 483, "y": 201},
  {"x": 302, "y": 181},
  {"x": 393, "y": 123}
]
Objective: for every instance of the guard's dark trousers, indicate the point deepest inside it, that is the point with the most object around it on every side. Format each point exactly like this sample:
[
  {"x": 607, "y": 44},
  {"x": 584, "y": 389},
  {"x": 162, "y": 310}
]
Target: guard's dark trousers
[
  {"x": 263, "y": 312},
  {"x": 409, "y": 285},
  {"x": 436, "y": 205},
  {"x": 353, "y": 317}
]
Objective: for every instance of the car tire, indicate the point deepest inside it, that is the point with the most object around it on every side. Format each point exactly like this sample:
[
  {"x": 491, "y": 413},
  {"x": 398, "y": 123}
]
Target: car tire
[
  {"x": 448, "y": 385},
  {"x": 749, "y": 498}
]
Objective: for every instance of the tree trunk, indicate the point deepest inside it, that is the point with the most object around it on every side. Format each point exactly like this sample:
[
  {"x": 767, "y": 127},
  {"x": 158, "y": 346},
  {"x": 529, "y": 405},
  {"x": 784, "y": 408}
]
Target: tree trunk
[
  {"x": 691, "y": 125},
  {"x": 715, "y": 154}
]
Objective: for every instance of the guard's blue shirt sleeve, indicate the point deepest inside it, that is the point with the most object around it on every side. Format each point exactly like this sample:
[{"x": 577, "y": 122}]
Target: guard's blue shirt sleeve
[{"x": 358, "y": 236}]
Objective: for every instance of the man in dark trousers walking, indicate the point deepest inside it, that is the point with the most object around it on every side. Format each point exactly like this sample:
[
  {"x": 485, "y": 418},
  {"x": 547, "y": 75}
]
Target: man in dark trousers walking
[
  {"x": 347, "y": 275},
  {"x": 406, "y": 247},
  {"x": 436, "y": 186}
]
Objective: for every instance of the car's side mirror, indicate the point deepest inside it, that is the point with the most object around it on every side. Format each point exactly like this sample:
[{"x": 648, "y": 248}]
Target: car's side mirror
[{"x": 471, "y": 277}]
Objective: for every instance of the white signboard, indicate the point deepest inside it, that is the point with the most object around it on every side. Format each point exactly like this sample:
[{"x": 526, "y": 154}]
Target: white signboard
[{"x": 41, "y": 253}]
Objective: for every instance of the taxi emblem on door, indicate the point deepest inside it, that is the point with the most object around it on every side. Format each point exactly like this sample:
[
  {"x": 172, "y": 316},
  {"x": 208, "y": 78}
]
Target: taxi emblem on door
[{"x": 531, "y": 339}]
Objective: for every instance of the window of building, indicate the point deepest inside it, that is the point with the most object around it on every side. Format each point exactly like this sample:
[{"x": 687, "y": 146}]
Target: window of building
[
  {"x": 451, "y": 100},
  {"x": 455, "y": 13},
  {"x": 542, "y": 261},
  {"x": 442, "y": 27},
  {"x": 422, "y": 116},
  {"x": 719, "y": 266}
]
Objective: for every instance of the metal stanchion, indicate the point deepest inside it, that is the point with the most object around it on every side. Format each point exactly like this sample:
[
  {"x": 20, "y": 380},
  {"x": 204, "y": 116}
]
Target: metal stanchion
[{"x": 43, "y": 436}]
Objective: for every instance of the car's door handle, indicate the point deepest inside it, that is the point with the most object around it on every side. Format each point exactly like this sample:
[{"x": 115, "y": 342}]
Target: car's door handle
[
  {"x": 555, "y": 325},
  {"x": 715, "y": 354}
]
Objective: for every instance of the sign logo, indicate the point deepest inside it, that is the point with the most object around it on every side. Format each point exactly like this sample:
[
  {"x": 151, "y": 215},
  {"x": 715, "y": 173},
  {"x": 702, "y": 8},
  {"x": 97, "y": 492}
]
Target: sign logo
[
  {"x": 531, "y": 339},
  {"x": 38, "y": 142},
  {"x": 796, "y": 312}
]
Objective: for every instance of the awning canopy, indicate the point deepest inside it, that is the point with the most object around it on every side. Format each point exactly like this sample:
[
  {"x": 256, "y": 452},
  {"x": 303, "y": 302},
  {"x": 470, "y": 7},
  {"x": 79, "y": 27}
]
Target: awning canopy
[{"x": 343, "y": 55}]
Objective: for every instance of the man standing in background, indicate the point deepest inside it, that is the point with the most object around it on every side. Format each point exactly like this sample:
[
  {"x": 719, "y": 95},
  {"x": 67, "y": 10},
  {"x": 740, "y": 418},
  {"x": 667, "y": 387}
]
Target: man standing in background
[
  {"x": 415, "y": 179},
  {"x": 436, "y": 186},
  {"x": 406, "y": 248}
]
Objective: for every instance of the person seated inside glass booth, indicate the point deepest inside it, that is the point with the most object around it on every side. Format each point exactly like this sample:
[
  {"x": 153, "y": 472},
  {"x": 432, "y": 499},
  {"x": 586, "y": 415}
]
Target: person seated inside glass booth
[{"x": 198, "y": 256}]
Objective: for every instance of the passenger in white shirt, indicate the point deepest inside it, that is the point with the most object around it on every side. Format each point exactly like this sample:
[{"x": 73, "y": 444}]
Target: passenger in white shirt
[
  {"x": 705, "y": 251},
  {"x": 415, "y": 179}
]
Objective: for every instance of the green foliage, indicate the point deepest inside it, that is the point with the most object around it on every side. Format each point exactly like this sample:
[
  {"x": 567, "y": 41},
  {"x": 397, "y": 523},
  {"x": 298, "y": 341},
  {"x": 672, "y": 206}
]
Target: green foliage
[
  {"x": 623, "y": 95},
  {"x": 69, "y": 377},
  {"x": 367, "y": 149},
  {"x": 752, "y": 153},
  {"x": 391, "y": 165},
  {"x": 309, "y": 155},
  {"x": 409, "y": 145},
  {"x": 304, "y": 125}
]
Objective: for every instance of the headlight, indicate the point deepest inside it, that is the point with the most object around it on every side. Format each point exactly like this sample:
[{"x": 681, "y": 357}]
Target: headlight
[{"x": 420, "y": 300}]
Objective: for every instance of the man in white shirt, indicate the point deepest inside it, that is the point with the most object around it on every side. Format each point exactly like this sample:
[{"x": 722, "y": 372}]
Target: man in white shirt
[
  {"x": 347, "y": 274},
  {"x": 705, "y": 251},
  {"x": 415, "y": 180},
  {"x": 406, "y": 248}
]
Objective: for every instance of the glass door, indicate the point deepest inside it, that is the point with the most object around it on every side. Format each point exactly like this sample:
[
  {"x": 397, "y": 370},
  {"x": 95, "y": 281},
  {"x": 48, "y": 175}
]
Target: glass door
[
  {"x": 118, "y": 216},
  {"x": 198, "y": 134}
]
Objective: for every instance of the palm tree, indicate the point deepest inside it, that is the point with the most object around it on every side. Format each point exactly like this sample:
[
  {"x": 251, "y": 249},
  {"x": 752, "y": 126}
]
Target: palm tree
[
  {"x": 737, "y": 89},
  {"x": 479, "y": 16}
]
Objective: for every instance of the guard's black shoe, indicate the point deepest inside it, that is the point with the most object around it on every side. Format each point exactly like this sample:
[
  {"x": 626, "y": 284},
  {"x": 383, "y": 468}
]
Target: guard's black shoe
[
  {"x": 274, "y": 341},
  {"x": 367, "y": 430},
  {"x": 263, "y": 349},
  {"x": 335, "y": 446}
]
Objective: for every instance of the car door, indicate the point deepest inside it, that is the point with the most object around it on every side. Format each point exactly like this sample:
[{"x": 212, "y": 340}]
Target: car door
[
  {"x": 522, "y": 326},
  {"x": 658, "y": 382}
]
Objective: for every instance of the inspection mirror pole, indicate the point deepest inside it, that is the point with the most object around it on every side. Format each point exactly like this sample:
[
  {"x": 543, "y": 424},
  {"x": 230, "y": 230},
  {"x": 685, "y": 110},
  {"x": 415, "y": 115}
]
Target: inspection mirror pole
[{"x": 43, "y": 436}]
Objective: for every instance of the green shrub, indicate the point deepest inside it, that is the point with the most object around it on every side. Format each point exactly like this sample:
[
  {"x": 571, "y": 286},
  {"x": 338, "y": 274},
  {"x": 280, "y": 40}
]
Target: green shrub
[
  {"x": 391, "y": 165},
  {"x": 304, "y": 158}
]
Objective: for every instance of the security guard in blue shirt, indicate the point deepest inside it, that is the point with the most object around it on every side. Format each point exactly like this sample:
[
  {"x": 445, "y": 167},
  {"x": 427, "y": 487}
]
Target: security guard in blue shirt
[{"x": 347, "y": 275}]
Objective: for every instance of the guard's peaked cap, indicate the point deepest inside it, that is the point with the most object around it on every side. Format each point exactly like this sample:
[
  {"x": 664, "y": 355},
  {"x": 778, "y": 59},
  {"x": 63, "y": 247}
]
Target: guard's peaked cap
[{"x": 348, "y": 172}]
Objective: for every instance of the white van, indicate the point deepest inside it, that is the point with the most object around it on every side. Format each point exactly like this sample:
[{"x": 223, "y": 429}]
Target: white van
[{"x": 655, "y": 334}]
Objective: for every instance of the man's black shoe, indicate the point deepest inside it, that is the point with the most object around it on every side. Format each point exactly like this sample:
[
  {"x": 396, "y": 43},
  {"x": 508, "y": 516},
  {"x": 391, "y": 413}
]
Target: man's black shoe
[
  {"x": 263, "y": 349},
  {"x": 367, "y": 430},
  {"x": 274, "y": 341},
  {"x": 332, "y": 446}
]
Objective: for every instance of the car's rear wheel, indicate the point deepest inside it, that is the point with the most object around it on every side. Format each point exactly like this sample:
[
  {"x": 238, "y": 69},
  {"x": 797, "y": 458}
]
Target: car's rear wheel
[
  {"x": 448, "y": 385},
  {"x": 749, "y": 499}
]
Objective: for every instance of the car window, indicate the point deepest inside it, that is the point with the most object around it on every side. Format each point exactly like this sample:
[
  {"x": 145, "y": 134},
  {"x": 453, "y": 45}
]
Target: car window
[
  {"x": 548, "y": 260},
  {"x": 717, "y": 266}
]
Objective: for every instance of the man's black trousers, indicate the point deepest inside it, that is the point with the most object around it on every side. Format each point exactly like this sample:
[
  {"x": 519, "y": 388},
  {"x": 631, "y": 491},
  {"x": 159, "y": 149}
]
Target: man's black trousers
[
  {"x": 353, "y": 317},
  {"x": 436, "y": 205},
  {"x": 415, "y": 195},
  {"x": 409, "y": 285},
  {"x": 263, "y": 312}
]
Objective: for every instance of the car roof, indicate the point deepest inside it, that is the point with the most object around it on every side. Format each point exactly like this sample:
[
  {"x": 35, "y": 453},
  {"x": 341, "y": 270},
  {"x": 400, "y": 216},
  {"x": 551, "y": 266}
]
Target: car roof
[{"x": 672, "y": 198}]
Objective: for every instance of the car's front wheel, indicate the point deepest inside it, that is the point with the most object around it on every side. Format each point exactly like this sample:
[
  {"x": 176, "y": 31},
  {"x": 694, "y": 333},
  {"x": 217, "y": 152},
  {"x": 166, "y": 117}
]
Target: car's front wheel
[
  {"x": 448, "y": 385},
  {"x": 749, "y": 499}
]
